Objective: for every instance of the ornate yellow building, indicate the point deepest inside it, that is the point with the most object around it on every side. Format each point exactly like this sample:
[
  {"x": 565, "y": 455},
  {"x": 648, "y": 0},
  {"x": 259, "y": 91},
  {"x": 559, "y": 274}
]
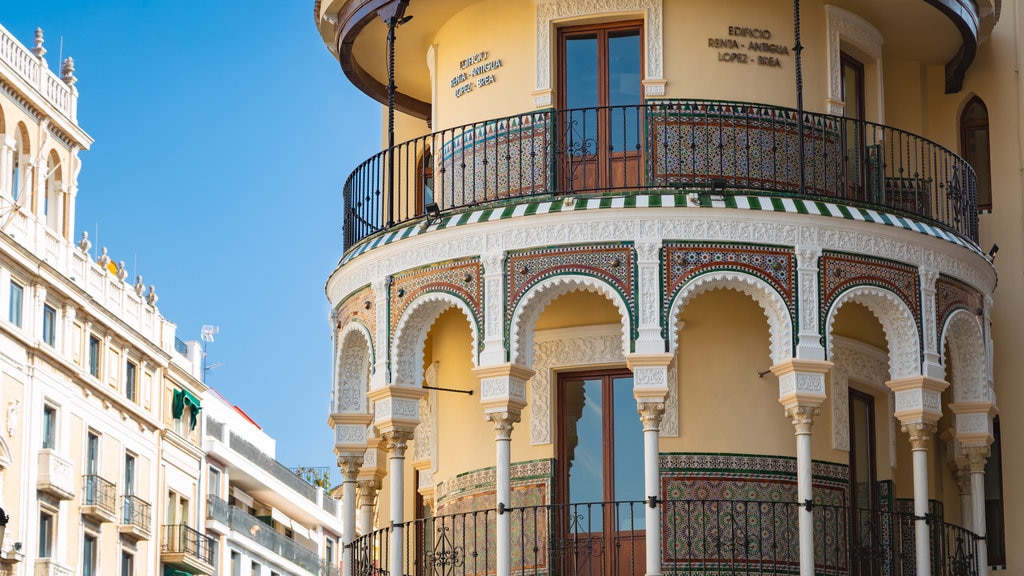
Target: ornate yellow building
[{"x": 662, "y": 287}]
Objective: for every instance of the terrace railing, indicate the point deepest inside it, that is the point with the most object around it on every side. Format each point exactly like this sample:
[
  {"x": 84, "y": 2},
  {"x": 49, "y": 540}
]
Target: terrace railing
[
  {"x": 698, "y": 537},
  {"x": 664, "y": 145}
]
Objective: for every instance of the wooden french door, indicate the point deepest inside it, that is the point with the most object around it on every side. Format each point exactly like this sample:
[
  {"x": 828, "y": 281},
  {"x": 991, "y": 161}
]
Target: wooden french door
[
  {"x": 857, "y": 160},
  {"x": 600, "y": 126},
  {"x": 866, "y": 557},
  {"x": 600, "y": 468}
]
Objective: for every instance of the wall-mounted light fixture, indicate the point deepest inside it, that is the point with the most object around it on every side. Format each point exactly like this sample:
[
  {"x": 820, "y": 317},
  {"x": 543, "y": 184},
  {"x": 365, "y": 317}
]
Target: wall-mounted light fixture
[{"x": 433, "y": 213}]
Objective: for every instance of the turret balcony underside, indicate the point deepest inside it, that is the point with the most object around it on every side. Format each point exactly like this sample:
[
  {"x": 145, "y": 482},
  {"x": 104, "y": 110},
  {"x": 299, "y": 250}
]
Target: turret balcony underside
[
  {"x": 698, "y": 537},
  {"x": 706, "y": 151}
]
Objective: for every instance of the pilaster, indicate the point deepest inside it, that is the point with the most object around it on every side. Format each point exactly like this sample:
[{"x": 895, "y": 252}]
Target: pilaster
[
  {"x": 494, "y": 306},
  {"x": 648, "y": 262},
  {"x": 932, "y": 359},
  {"x": 808, "y": 332}
]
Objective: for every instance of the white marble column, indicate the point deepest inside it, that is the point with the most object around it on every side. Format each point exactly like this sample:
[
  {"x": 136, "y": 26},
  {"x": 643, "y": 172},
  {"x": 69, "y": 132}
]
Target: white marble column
[
  {"x": 503, "y": 397},
  {"x": 349, "y": 465},
  {"x": 975, "y": 433},
  {"x": 397, "y": 441},
  {"x": 977, "y": 456},
  {"x": 918, "y": 408},
  {"x": 367, "y": 489},
  {"x": 801, "y": 393},
  {"x": 650, "y": 388}
]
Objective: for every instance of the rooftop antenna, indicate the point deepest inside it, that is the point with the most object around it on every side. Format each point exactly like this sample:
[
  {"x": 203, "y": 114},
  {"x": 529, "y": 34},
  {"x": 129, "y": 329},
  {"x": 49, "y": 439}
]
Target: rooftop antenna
[{"x": 206, "y": 335}]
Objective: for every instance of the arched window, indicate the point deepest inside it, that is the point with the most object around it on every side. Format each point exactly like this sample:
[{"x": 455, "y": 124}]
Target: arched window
[
  {"x": 975, "y": 148},
  {"x": 51, "y": 208},
  {"x": 19, "y": 183}
]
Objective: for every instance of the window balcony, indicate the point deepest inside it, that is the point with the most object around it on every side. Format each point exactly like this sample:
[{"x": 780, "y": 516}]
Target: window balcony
[
  {"x": 698, "y": 537},
  {"x": 135, "y": 517},
  {"x": 99, "y": 498},
  {"x": 709, "y": 153},
  {"x": 55, "y": 475},
  {"x": 50, "y": 567},
  {"x": 219, "y": 512},
  {"x": 186, "y": 549}
]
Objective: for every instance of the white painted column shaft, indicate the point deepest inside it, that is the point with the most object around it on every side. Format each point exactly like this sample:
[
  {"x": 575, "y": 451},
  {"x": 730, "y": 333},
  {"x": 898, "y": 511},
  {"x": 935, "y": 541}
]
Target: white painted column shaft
[
  {"x": 396, "y": 472},
  {"x": 804, "y": 494},
  {"x": 652, "y": 514},
  {"x": 503, "y": 495},
  {"x": 923, "y": 549},
  {"x": 978, "y": 518},
  {"x": 348, "y": 526}
]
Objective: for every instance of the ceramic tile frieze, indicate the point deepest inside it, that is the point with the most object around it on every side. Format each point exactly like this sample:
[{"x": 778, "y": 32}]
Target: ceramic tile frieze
[
  {"x": 359, "y": 307},
  {"x": 952, "y": 295},
  {"x": 460, "y": 278},
  {"x": 840, "y": 272}
]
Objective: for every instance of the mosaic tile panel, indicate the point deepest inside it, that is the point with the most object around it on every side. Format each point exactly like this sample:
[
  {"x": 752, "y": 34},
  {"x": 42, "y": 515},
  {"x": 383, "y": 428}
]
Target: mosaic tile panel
[
  {"x": 952, "y": 295},
  {"x": 497, "y": 159},
  {"x": 360, "y": 306},
  {"x": 612, "y": 263},
  {"x": 461, "y": 278},
  {"x": 747, "y": 145},
  {"x": 467, "y": 502},
  {"x": 840, "y": 272},
  {"x": 683, "y": 261},
  {"x": 736, "y": 511}
]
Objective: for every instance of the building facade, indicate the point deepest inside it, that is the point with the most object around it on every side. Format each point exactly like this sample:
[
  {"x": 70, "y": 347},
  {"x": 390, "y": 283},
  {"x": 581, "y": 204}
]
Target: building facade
[
  {"x": 268, "y": 520},
  {"x": 655, "y": 287}
]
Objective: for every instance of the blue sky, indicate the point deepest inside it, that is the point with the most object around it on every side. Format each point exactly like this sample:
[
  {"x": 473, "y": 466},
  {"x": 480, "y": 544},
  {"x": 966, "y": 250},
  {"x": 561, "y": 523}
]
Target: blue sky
[{"x": 224, "y": 131}]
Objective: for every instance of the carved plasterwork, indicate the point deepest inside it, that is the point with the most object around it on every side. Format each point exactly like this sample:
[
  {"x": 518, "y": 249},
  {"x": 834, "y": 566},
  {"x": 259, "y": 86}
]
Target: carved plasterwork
[
  {"x": 967, "y": 358},
  {"x": 360, "y": 307},
  {"x": 353, "y": 370},
  {"x": 901, "y": 332},
  {"x": 411, "y": 333},
  {"x": 537, "y": 298},
  {"x": 590, "y": 346},
  {"x": 425, "y": 440},
  {"x": 459, "y": 278},
  {"x": 849, "y": 29},
  {"x": 868, "y": 367},
  {"x": 779, "y": 319},
  {"x": 550, "y": 13}
]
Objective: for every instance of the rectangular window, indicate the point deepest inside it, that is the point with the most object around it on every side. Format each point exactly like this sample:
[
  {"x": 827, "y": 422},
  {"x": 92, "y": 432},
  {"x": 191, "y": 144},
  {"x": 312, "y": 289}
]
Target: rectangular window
[
  {"x": 130, "y": 370},
  {"x": 14, "y": 310},
  {"x": 92, "y": 454},
  {"x": 236, "y": 564},
  {"x": 214, "y": 482},
  {"x": 46, "y": 522},
  {"x": 49, "y": 427},
  {"x": 177, "y": 508},
  {"x": 129, "y": 474},
  {"x": 89, "y": 555},
  {"x": 995, "y": 529},
  {"x": 94, "y": 356},
  {"x": 255, "y": 569},
  {"x": 127, "y": 563},
  {"x": 49, "y": 325}
]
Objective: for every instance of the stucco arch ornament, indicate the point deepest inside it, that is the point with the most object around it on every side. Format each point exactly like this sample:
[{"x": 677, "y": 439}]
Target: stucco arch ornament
[
  {"x": 355, "y": 364},
  {"x": 901, "y": 330},
  {"x": 539, "y": 296},
  {"x": 780, "y": 323},
  {"x": 411, "y": 334},
  {"x": 967, "y": 351}
]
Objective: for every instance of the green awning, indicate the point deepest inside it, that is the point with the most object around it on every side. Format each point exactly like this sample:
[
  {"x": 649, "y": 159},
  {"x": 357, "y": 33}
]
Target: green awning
[
  {"x": 168, "y": 571},
  {"x": 184, "y": 398}
]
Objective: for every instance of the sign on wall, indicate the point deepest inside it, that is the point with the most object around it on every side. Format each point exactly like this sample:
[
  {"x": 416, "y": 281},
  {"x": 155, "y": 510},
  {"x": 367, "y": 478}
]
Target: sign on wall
[
  {"x": 476, "y": 72},
  {"x": 745, "y": 45}
]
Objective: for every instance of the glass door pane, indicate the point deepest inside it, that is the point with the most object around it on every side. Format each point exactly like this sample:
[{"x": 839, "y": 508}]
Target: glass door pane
[
  {"x": 584, "y": 447},
  {"x": 628, "y": 442}
]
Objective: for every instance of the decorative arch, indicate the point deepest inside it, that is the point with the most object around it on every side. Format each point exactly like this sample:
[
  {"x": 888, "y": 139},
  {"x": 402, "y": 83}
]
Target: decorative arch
[
  {"x": 898, "y": 323},
  {"x": 353, "y": 369},
  {"x": 411, "y": 333},
  {"x": 542, "y": 294},
  {"x": 975, "y": 147},
  {"x": 963, "y": 333},
  {"x": 867, "y": 365},
  {"x": 780, "y": 323}
]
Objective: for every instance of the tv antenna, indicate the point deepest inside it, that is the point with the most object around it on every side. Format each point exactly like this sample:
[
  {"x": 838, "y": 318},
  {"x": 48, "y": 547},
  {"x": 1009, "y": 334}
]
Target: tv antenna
[{"x": 206, "y": 335}]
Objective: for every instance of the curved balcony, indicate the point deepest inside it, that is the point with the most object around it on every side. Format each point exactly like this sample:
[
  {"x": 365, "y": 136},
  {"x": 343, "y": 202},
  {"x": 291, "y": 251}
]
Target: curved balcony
[
  {"x": 713, "y": 149},
  {"x": 698, "y": 537}
]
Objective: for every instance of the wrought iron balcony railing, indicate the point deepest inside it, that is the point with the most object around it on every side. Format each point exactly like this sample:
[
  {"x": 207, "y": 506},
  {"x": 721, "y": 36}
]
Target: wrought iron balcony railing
[
  {"x": 664, "y": 145},
  {"x": 98, "y": 492},
  {"x": 698, "y": 537},
  {"x": 135, "y": 512},
  {"x": 187, "y": 541}
]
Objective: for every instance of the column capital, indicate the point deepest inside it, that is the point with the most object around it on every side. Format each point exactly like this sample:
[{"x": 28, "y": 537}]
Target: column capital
[
  {"x": 977, "y": 456},
  {"x": 396, "y": 407},
  {"x": 920, "y": 433},
  {"x": 504, "y": 421},
  {"x": 974, "y": 422},
  {"x": 367, "y": 489},
  {"x": 349, "y": 465},
  {"x": 962, "y": 475},
  {"x": 803, "y": 416},
  {"x": 650, "y": 376},
  {"x": 651, "y": 414},
  {"x": 397, "y": 441},
  {"x": 918, "y": 399}
]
